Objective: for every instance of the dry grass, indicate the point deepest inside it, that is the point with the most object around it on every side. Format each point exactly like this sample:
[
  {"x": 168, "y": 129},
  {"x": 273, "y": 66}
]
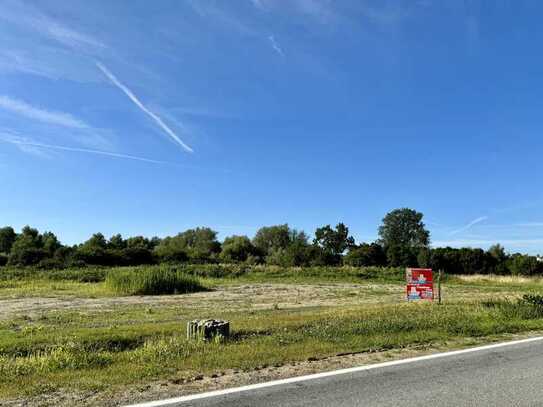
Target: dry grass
[{"x": 497, "y": 279}]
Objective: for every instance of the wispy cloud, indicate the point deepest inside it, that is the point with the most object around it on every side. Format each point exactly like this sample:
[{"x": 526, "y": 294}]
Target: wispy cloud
[
  {"x": 142, "y": 107},
  {"x": 66, "y": 35},
  {"x": 37, "y": 43},
  {"x": 258, "y": 4},
  {"x": 275, "y": 45},
  {"x": 20, "y": 61},
  {"x": 469, "y": 225},
  {"x": 223, "y": 16},
  {"x": 25, "y": 144},
  {"x": 30, "y": 17},
  {"x": 35, "y": 113},
  {"x": 319, "y": 10}
]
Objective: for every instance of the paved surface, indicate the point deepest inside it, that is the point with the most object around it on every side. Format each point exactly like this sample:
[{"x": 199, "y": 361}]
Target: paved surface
[{"x": 508, "y": 376}]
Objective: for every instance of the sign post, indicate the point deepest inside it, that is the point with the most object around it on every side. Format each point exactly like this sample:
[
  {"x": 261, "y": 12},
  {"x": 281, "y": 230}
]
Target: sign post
[
  {"x": 439, "y": 277},
  {"x": 420, "y": 284}
]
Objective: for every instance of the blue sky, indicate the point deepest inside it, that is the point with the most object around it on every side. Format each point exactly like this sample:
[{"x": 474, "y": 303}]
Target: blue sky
[{"x": 152, "y": 117}]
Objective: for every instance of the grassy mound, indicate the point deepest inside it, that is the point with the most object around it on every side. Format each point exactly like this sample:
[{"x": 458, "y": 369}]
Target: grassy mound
[{"x": 151, "y": 281}]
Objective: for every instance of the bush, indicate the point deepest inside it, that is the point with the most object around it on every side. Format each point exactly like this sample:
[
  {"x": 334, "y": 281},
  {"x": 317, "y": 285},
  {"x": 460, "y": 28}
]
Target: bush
[
  {"x": 50, "y": 264},
  {"x": 134, "y": 256},
  {"x": 26, "y": 257},
  {"x": 93, "y": 256},
  {"x": 366, "y": 255},
  {"x": 533, "y": 299},
  {"x": 528, "y": 307},
  {"x": 215, "y": 270},
  {"x": 83, "y": 275},
  {"x": 236, "y": 249},
  {"x": 520, "y": 264},
  {"x": 3, "y": 260},
  {"x": 151, "y": 281}
]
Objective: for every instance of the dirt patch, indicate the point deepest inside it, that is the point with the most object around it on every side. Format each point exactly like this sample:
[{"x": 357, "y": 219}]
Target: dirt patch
[
  {"x": 232, "y": 297},
  {"x": 243, "y": 297}
]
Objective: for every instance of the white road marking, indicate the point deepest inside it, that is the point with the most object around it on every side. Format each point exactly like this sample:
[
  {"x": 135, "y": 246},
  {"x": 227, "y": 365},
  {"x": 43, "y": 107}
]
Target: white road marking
[{"x": 216, "y": 393}]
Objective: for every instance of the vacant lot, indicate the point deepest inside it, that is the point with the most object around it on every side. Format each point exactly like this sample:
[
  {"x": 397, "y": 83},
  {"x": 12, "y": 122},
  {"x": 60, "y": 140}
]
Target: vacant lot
[{"x": 65, "y": 342}]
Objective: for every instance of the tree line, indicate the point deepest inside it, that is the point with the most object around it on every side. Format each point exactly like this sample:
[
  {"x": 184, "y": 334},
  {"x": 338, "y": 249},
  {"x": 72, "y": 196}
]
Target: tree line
[{"x": 403, "y": 241}]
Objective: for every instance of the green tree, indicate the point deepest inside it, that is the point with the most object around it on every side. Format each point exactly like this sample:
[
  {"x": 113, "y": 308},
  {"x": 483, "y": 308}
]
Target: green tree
[
  {"x": 27, "y": 248},
  {"x": 7, "y": 237},
  {"x": 237, "y": 249},
  {"x": 402, "y": 235},
  {"x": 116, "y": 242},
  {"x": 139, "y": 242},
  {"x": 171, "y": 250},
  {"x": 50, "y": 243},
  {"x": 497, "y": 253},
  {"x": 272, "y": 238},
  {"x": 521, "y": 264},
  {"x": 475, "y": 261},
  {"x": 96, "y": 241},
  {"x": 199, "y": 245},
  {"x": 402, "y": 256},
  {"x": 94, "y": 251},
  {"x": 298, "y": 252},
  {"x": 333, "y": 242},
  {"x": 138, "y": 250},
  {"x": 292, "y": 252},
  {"x": 366, "y": 255}
]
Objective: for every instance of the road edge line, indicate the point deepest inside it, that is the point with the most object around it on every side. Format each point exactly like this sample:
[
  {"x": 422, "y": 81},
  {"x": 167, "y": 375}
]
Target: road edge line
[{"x": 215, "y": 393}]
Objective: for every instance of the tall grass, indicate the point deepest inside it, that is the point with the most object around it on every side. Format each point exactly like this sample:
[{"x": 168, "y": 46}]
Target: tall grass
[
  {"x": 66, "y": 357},
  {"x": 151, "y": 281},
  {"x": 83, "y": 275}
]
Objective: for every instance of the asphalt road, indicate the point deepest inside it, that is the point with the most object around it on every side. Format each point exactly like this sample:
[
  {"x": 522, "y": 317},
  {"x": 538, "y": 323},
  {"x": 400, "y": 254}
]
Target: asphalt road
[{"x": 506, "y": 376}]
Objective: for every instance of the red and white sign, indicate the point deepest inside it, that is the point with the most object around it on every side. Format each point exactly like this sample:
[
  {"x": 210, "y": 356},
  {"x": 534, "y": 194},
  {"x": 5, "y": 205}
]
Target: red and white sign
[{"x": 420, "y": 284}]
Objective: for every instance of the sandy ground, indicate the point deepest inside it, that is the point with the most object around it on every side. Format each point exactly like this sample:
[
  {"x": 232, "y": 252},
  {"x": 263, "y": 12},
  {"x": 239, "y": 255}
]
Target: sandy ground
[{"x": 235, "y": 297}]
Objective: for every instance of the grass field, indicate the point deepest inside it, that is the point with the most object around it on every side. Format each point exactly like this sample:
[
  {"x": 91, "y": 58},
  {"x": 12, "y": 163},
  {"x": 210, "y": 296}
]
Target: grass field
[{"x": 62, "y": 336}]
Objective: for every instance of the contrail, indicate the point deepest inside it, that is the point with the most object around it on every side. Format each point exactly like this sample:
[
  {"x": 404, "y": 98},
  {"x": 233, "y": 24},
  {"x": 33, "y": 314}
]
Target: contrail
[
  {"x": 85, "y": 150},
  {"x": 469, "y": 225},
  {"x": 137, "y": 102}
]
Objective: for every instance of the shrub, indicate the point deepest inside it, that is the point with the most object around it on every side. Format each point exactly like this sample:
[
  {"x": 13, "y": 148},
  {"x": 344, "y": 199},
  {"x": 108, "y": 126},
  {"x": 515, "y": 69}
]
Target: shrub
[
  {"x": 26, "y": 256},
  {"x": 237, "y": 249},
  {"x": 134, "y": 256},
  {"x": 528, "y": 307},
  {"x": 93, "y": 256},
  {"x": 533, "y": 299},
  {"x": 366, "y": 255},
  {"x": 520, "y": 264},
  {"x": 50, "y": 264},
  {"x": 151, "y": 281},
  {"x": 83, "y": 275}
]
